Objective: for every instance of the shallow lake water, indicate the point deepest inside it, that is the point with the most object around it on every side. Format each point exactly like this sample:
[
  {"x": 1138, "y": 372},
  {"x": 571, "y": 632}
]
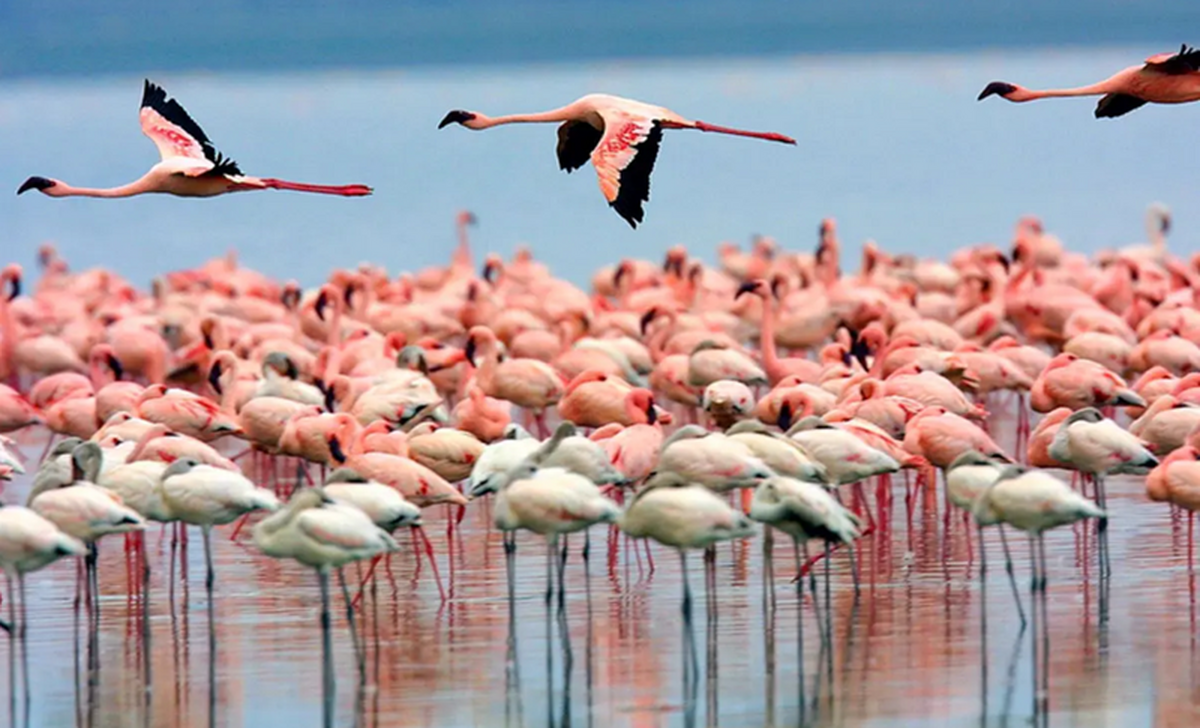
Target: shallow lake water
[{"x": 912, "y": 648}]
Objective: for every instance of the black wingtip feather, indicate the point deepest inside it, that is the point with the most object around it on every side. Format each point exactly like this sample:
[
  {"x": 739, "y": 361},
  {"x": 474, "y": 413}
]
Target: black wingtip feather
[
  {"x": 155, "y": 97},
  {"x": 635, "y": 178}
]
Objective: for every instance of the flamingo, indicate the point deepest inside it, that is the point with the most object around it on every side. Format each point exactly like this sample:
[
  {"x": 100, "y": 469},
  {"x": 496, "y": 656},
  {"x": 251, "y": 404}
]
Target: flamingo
[
  {"x": 86, "y": 511},
  {"x": 204, "y": 496},
  {"x": 621, "y": 136},
  {"x": 1164, "y": 78},
  {"x": 1097, "y": 446},
  {"x": 806, "y": 511},
  {"x": 191, "y": 166},
  {"x": 28, "y": 542},
  {"x": 967, "y": 478},
  {"x": 684, "y": 515},
  {"x": 324, "y": 534},
  {"x": 549, "y": 501},
  {"x": 1034, "y": 501}
]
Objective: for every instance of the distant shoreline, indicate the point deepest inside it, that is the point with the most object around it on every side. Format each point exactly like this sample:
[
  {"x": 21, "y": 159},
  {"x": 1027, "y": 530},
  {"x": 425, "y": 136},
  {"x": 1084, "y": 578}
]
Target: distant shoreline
[{"x": 82, "y": 38}]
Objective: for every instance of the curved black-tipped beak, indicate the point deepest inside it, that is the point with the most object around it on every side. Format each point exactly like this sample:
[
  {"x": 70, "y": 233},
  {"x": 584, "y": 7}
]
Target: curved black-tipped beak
[
  {"x": 115, "y": 365},
  {"x": 651, "y": 413},
  {"x": 747, "y": 287},
  {"x": 488, "y": 272},
  {"x": 1165, "y": 227},
  {"x": 785, "y": 417},
  {"x": 469, "y": 351},
  {"x": 36, "y": 183},
  {"x": 646, "y": 319},
  {"x": 996, "y": 88},
  {"x": 214, "y": 377},
  {"x": 320, "y": 304},
  {"x": 335, "y": 449},
  {"x": 15, "y": 282},
  {"x": 330, "y": 398},
  {"x": 457, "y": 116}
]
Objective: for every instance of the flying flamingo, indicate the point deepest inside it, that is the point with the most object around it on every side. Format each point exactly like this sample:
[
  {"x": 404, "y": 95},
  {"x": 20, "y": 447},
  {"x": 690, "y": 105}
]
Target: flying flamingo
[
  {"x": 191, "y": 166},
  {"x": 1165, "y": 78},
  {"x": 621, "y": 136}
]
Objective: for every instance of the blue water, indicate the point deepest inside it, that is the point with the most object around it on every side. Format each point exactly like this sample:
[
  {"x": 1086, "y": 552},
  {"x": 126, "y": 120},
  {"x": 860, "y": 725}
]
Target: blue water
[{"x": 894, "y": 146}]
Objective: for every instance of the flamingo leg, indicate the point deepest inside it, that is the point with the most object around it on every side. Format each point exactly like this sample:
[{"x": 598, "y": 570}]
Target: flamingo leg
[
  {"x": 432, "y": 561},
  {"x": 359, "y": 657},
  {"x": 363, "y": 582},
  {"x": 1008, "y": 568},
  {"x": 328, "y": 683}
]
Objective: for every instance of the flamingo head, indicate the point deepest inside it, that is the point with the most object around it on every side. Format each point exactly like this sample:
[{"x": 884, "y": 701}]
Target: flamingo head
[
  {"x": 41, "y": 184},
  {"x": 643, "y": 400},
  {"x": 998, "y": 88},
  {"x": 466, "y": 217},
  {"x": 460, "y": 117}
]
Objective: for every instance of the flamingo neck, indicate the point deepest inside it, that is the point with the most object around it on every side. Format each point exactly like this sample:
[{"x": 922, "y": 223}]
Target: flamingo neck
[
  {"x": 1096, "y": 89},
  {"x": 62, "y": 189},
  {"x": 487, "y": 122},
  {"x": 767, "y": 334}
]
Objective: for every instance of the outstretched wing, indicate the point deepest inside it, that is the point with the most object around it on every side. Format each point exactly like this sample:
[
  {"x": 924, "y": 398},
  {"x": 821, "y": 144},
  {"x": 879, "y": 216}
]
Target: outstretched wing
[
  {"x": 176, "y": 135},
  {"x": 1187, "y": 60},
  {"x": 576, "y": 140},
  {"x": 624, "y": 159},
  {"x": 1114, "y": 105}
]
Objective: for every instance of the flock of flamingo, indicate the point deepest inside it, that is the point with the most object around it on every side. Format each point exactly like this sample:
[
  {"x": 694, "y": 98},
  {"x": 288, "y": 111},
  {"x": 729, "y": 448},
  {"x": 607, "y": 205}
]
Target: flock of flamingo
[{"x": 676, "y": 401}]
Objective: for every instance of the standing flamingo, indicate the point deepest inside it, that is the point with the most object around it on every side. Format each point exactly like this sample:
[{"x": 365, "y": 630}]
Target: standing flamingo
[
  {"x": 1165, "y": 78},
  {"x": 191, "y": 166},
  {"x": 324, "y": 534},
  {"x": 621, "y": 136},
  {"x": 28, "y": 542}
]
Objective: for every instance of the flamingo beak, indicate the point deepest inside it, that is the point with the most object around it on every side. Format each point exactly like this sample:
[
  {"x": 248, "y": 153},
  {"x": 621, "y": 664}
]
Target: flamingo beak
[
  {"x": 647, "y": 318},
  {"x": 115, "y": 364},
  {"x": 330, "y": 398},
  {"x": 36, "y": 183},
  {"x": 319, "y": 307},
  {"x": 457, "y": 116},
  {"x": 785, "y": 416},
  {"x": 469, "y": 351},
  {"x": 335, "y": 449},
  {"x": 651, "y": 413},
  {"x": 16, "y": 287},
  {"x": 214, "y": 377},
  {"x": 747, "y": 287},
  {"x": 996, "y": 88},
  {"x": 489, "y": 270}
]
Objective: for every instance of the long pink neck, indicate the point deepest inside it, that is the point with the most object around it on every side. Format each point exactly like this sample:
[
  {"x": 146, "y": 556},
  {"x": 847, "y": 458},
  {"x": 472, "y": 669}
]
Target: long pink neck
[
  {"x": 487, "y": 122},
  {"x": 767, "y": 334},
  {"x": 62, "y": 189},
  {"x": 1096, "y": 89}
]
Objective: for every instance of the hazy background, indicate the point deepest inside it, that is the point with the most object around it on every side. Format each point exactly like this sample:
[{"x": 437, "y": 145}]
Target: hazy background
[{"x": 880, "y": 95}]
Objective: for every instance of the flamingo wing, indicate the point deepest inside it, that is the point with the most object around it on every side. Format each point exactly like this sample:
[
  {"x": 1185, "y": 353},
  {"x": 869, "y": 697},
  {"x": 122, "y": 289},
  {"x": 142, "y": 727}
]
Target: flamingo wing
[
  {"x": 624, "y": 159},
  {"x": 1114, "y": 105},
  {"x": 1187, "y": 60},
  {"x": 176, "y": 134},
  {"x": 576, "y": 140}
]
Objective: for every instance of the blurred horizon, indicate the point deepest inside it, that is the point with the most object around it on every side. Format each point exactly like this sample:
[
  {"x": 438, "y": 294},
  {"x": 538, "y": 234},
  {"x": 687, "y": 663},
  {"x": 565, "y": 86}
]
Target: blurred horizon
[{"x": 85, "y": 38}]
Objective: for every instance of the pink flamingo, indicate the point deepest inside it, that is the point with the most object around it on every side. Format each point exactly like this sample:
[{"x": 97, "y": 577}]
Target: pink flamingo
[
  {"x": 1165, "y": 78},
  {"x": 191, "y": 166},
  {"x": 621, "y": 136},
  {"x": 776, "y": 367},
  {"x": 528, "y": 383}
]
